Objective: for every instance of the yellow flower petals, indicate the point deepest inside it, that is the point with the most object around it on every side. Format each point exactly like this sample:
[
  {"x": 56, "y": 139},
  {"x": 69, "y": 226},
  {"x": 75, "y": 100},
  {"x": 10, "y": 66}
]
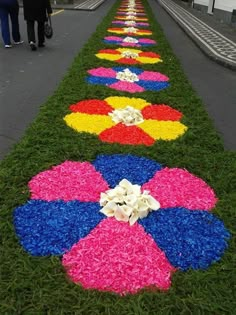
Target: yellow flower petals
[
  {"x": 122, "y": 102},
  {"x": 88, "y": 123},
  {"x": 148, "y": 60},
  {"x": 137, "y": 51},
  {"x": 163, "y": 130},
  {"x": 108, "y": 56}
]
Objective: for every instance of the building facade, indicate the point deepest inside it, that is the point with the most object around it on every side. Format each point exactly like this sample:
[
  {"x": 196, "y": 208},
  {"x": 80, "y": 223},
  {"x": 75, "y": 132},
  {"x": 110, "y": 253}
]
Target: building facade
[{"x": 224, "y": 10}]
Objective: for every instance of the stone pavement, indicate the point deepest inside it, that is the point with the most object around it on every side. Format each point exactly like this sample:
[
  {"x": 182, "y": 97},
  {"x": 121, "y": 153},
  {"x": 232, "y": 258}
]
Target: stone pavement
[
  {"x": 215, "y": 39},
  {"x": 87, "y": 5}
]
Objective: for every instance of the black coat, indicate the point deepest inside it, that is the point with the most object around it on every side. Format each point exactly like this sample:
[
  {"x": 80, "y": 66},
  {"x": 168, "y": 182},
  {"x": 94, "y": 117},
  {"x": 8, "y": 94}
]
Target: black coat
[{"x": 35, "y": 10}]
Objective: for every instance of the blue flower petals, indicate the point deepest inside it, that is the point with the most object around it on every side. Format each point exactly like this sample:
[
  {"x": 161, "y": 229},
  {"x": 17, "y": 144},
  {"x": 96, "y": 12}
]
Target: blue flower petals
[
  {"x": 101, "y": 80},
  {"x": 114, "y": 168},
  {"x": 190, "y": 239},
  {"x": 51, "y": 228},
  {"x": 153, "y": 85},
  {"x": 133, "y": 69}
]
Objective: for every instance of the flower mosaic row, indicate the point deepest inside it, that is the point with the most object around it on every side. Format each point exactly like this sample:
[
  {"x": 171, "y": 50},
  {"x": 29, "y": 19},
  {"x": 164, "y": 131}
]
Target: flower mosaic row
[{"x": 123, "y": 222}]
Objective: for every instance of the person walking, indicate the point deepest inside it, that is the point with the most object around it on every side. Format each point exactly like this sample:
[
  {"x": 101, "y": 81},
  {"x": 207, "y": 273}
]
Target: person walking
[
  {"x": 10, "y": 8},
  {"x": 36, "y": 10}
]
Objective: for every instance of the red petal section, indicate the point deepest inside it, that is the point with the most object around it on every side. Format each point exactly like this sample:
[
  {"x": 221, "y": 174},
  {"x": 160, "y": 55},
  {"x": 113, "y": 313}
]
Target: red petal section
[
  {"x": 92, "y": 107},
  {"x": 126, "y": 135},
  {"x": 120, "y": 258},
  {"x": 149, "y": 54},
  {"x": 161, "y": 112},
  {"x": 128, "y": 61},
  {"x": 109, "y": 51}
]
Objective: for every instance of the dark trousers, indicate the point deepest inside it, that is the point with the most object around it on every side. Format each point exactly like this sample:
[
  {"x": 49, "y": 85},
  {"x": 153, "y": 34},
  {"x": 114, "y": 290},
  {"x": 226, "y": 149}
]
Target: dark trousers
[
  {"x": 31, "y": 31},
  {"x": 4, "y": 17}
]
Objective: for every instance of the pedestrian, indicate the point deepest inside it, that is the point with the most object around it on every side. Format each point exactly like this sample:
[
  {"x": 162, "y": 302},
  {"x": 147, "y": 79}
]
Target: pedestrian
[
  {"x": 10, "y": 8},
  {"x": 36, "y": 10}
]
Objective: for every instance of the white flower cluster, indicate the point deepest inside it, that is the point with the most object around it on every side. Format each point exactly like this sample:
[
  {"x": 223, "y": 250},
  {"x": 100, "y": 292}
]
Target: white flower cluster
[
  {"x": 130, "y": 22},
  {"x": 129, "y": 54},
  {"x": 130, "y": 40},
  {"x": 130, "y": 17},
  {"x": 127, "y": 75},
  {"x": 130, "y": 29},
  {"x": 129, "y": 116},
  {"x": 127, "y": 203}
]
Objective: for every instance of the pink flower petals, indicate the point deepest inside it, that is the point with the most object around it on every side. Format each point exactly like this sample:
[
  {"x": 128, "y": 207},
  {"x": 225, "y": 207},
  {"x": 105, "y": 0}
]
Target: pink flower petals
[
  {"x": 153, "y": 76},
  {"x": 118, "y": 257},
  {"x": 178, "y": 188},
  {"x": 127, "y": 87},
  {"x": 68, "y": 181},
  {"x": 103, "y": 72}
]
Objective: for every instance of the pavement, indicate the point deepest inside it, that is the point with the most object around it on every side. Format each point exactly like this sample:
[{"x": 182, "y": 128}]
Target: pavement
[{"x": 215, "y": 38}]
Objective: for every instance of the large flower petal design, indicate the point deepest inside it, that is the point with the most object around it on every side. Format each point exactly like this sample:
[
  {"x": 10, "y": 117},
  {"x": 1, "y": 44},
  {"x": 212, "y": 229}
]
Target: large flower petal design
[
  {"x": 114, "y": 250},
  {"x": 131, "y": 23},
  {"x": 110, "y": 255},
  {"x": 134, "y": 18},
  {"x": 130, "y": 80},
  {"x": 129, "y": 41},
  {"x": 131, "y": 31},
  {"x": 128, "y": 56},
  {"x": 160, "y": 122}
]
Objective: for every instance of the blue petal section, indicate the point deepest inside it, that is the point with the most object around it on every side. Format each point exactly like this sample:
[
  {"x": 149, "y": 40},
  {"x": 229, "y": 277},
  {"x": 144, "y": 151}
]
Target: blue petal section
[
  {"x": 114, "y": 168},
  {"x": 133, "y": 69},
  {"x": 190, "y": 239},
  {"x": 101, "y": 80},
  {"x": 51, "y": 228},
  {"x": 153, "y": 85},
  {"x": 112, "y": 42}
]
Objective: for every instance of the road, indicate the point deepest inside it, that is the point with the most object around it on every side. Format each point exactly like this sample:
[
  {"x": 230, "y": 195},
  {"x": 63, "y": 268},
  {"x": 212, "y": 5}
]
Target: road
[{"x": 27, "y": 78}]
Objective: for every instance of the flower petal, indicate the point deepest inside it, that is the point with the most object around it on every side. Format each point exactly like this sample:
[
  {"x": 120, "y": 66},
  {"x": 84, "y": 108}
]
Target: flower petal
[
  {"x": 118, "y": 257},
  {"x": 127, "y": 87},
  {"x": 153, "y": 76},
  {"x": 88, "y": 123},
  {"x": 68, "y": 181},
  {"x": 126, "y": 135},
  {"x": 116, "y": 167},
  {"x": 51, "y": 228},
  {"x": 153, "y": 85},
  {"x": 161, "y": 112},
  {"x": 118, "y": 102},
  {"x": 190, "y": 239},
  {"x": 103, "y": 72},
  {"x": 92, "y": 106},
  {"x": 175, "y": 187}
]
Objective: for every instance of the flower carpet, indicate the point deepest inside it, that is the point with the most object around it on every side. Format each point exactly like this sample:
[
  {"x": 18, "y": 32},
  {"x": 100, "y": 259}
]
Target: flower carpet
[{"x": 121, "y": 198}]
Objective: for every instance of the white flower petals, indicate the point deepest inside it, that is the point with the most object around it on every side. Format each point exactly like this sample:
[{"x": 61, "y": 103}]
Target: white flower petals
[
  {"x": 129, "y": 116},
  {"x": 127, "y": 75},
  {"x": 128, "y": 39},
  {"x": 127, "y": 203}
]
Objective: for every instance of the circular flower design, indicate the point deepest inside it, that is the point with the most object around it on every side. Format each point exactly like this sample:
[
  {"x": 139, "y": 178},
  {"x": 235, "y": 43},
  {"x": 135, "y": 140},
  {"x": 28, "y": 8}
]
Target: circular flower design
[
  {"x": 129, "y": 56},
  {"x": 131, "y": 17},
  {"x": 131, "y": 23},
  {"x": 128, "y": 79},
  {"x": 129, "y": 31},
  {"x": 130, "y": 10},
  {"x": 64, "y": 217},
  {"x": 129, "y": 41},
  {"x": 131, "y": 13},
  {"x": 124, "y": 120}
]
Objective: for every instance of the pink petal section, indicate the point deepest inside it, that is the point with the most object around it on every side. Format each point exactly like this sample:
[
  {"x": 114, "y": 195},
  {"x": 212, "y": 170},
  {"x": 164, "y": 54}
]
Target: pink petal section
[
  {"x": 147, "y": 41},
  {"x": 103, "y": 72},
  {"x": 113, "y": 38},
  {"x": 129, "y": 44},
  {"x": 152, "y": 76},
  {"x": 174, "y": 187},
  {"x": 127, "y": 86},
  {"x": 68, "y": 181},
  {"x": 118, "y": 257}
]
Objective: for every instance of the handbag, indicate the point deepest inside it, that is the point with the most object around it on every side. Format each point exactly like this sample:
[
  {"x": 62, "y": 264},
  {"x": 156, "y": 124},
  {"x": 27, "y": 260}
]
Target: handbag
[{"x": 48, "y": 30}]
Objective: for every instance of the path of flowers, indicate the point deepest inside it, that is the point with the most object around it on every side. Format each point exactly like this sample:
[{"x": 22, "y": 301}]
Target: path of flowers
[{"x": 122, "y": 222}]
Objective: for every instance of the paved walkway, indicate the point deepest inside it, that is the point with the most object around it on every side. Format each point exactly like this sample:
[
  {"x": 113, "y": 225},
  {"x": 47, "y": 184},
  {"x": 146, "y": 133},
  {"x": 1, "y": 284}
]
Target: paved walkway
[
  {"x": 87, "y": 5},
  {"x": 206, "y": 32}
]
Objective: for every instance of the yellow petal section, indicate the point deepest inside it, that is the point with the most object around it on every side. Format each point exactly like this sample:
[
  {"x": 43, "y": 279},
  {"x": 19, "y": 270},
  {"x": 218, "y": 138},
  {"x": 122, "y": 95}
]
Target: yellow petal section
[
  {"x": 122, "y": 101},
  {"x": 144, "y": 33},
  {"x": 88, "y": 123},
  {"x": 136, "y": 51},
  {"x": 108, "y": 56},
  {"x": 148, "y": 60},
  {"x": 163, "y": 130},
  {"x": 116, "y": 31}
]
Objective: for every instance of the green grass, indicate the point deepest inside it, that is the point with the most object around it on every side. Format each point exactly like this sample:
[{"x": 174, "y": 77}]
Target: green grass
[{"x": 34, "y": 285}]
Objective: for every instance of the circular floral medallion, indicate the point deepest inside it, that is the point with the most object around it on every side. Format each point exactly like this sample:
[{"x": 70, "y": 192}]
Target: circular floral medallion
[
  {"x": 129, "y": 31},
  {"x": 107, "y": 252},
  {"x": 124, "y": 120},
  {"x": 129, "y": 41}
]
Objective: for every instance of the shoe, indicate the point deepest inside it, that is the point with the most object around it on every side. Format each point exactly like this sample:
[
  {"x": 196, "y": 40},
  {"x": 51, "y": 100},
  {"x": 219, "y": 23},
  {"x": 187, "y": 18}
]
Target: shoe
[
  {"x": 19, "y": 43},
  {"x": 41, "y": 45},
  {"x": 8, "y": 46},
  {"x": 33, "y": 46}
]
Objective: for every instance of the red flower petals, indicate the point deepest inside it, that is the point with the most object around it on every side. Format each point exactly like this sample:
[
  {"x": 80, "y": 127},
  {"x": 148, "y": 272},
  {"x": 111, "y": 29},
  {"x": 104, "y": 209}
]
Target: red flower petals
[
  {"x": 123, "y": 134},
  {"x": 92, "y": 107},
  {"x": 161, "y": 112}
]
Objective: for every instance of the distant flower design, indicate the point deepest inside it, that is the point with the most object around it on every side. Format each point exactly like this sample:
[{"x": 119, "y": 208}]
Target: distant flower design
[
  {"x": 129, "y": 56},
  {"x": 129, "y": 41},
  {"x": 129, "y": 31},
  {"x": 131, "y": 17},
  {"x": 124, "y": 120},
  {"x": 64, "y": 217},
  {"x": 131, "y": 23},
  {"x": 131, "y": 80}
]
